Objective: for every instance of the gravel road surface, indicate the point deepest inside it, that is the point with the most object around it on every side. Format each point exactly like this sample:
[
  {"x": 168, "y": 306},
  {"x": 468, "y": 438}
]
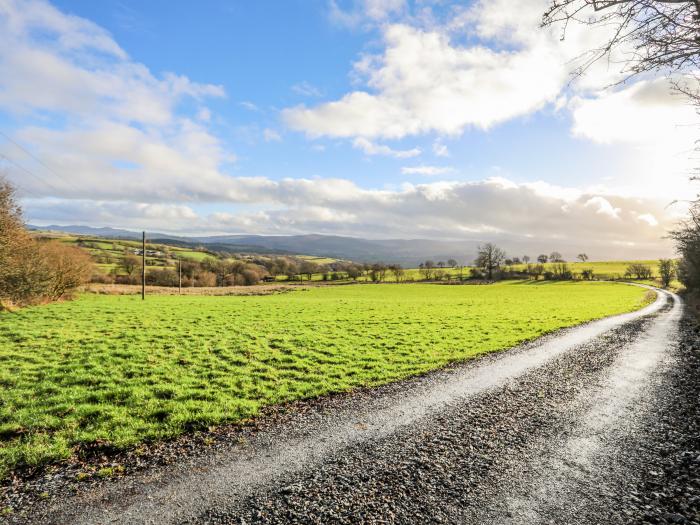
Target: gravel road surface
[{"x": 594, "y": 424}]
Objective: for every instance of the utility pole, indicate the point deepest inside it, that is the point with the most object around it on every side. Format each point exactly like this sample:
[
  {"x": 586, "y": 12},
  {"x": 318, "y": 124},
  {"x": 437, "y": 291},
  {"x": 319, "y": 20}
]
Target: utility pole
[
  {"x": 143, "y": 267},
  {"x": 179, "y": 270}
]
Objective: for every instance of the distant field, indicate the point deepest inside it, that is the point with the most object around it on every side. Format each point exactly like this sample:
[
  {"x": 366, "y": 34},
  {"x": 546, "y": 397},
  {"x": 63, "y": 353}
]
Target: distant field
[
  {"x": 110, "y": 252},
  {"x": 317, "y": 260},
  {"x": 604, "y": 269},
  {"x": 119, "y": 370}
]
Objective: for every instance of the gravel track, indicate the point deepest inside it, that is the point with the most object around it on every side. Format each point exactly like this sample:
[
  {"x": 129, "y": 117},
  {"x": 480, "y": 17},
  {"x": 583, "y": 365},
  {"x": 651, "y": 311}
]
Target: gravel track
[{"x": 596, "y": 424}]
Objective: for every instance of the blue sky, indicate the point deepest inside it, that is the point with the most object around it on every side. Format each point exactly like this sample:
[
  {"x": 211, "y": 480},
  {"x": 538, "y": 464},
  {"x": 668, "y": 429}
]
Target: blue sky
[
  {"x": 376, "y": 118},
  {"x": 266, "y": 53}
]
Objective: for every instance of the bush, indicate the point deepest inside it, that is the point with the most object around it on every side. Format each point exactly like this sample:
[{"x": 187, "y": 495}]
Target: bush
[
  {"x": 204, "y": 279},
  {"x": 32, "y": 271},
  {"x": 126, "y": 279},
  {"x": 587, "y": 274},
  {"x": 102, "y": 278},
  {"x": 66, "y": 268},
  {"x": 162, "y": 277},
  {"x": 638, "y": 271}
]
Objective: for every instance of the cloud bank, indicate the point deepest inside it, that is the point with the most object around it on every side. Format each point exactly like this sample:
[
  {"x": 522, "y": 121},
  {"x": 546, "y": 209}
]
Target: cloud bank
[{"x": 130, "y": 148}]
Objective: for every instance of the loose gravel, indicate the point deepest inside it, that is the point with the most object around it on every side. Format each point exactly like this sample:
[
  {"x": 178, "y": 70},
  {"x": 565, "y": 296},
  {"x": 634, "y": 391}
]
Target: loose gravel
[{"x": 453, "y": 468}]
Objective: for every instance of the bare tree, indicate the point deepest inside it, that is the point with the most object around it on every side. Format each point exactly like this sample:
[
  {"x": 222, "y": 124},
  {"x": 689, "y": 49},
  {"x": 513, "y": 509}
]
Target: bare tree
[
  {"x": 378, "y": 272},
  {"x": 398, "y": 271},
  {"x": 489, "y": 257},
  {"x": 308, "y": 268},
  {"x": 651, "y": 35},
  {"x": 451, "y": 263},
  {"x": 460, "y": 271},
  {"x": 638, "y": 271},
  {"x": 542, "y": 258},
  {"x": 555, "y": 257},
  {"x": 130, "y": 263},
  {"x": 526, "y": 259},
  {"x": 687, "y": 238},
  {"x": 427, "y": 269},
  {"x": 582, "y": 257}
]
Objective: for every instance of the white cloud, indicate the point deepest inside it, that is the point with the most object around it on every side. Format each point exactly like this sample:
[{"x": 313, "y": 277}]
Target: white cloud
[
  {"x": 440, "y": 150},
  {"x": 644, "y": 112},
  {"x": 249, "y": 105},
  {"x": 271, "y": 135},
  {"x": 370, "y": 148},
  {"x": 648, "y": 218},
  {"x": 103, "y": 123},
  {"x": 306, "y": 89},
  {"x": 424, "y": 83},
  {"x": 426, "y": 170},
  {"x": 129, "y": 152},
  {"x": 204, "y": 114},
  {"x": 40, "y": 47},
  {"x": 364, "y": 11},
  {"x": 495, "y": 209},
  {"x": 603, "y": 207}
]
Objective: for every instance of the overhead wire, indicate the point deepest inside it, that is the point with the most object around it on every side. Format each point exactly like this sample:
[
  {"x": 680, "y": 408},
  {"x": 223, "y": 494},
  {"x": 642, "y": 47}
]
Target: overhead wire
[{"x": 38, "y": 160}]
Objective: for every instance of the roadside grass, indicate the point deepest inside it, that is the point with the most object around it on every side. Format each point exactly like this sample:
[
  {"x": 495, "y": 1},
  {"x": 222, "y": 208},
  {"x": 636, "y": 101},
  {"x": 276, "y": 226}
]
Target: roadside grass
[{"x": 114, "y": 370}]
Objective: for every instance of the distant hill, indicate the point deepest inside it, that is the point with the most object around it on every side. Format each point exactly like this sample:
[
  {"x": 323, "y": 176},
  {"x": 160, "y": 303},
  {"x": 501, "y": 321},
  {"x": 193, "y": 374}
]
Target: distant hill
[
  {"x": 408, "y": 252},
  {"x": 112, "y": 233}
]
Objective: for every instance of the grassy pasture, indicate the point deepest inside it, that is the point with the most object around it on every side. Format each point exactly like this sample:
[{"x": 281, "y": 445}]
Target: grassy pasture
[
  {"x": 603, "y": 269},
  {"x": 118, "y": 370}
]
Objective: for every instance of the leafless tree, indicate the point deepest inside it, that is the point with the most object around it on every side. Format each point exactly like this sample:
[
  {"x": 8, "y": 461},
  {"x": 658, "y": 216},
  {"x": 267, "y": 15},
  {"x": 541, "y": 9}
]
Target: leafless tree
[
  {"x": 582, "y": 257},
  {"x": 555, "y": 257},
  {"x": 687, "y": 238},
  {"x": 651, "y": 35},
  {"x": 489, "y": 257},
  {"x": 542, "y": 258},
  {"x": 638, "y": 271},
  {"x": 427, "y": 269},
  {"x": 130, "y": 263},
  {"x": 460, "y": 271},
  {"x": 398, "y": 271}
]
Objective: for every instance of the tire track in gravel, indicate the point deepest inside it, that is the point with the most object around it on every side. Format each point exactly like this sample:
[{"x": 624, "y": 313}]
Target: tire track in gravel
[
  {"x": 582, "y": 478},
  {"x": 378, "y": 458}
]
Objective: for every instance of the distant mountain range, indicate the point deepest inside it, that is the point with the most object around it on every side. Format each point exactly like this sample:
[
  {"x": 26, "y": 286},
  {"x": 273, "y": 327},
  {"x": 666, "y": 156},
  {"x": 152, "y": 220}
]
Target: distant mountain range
[
  {"x": 408, "y": 252},
  {"x": 404, "y": 251}
]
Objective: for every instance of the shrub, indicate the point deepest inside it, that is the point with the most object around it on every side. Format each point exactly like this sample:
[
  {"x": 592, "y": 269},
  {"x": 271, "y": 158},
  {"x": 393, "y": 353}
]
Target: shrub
[
  {"x": 162, "y": 277},
  {"x": 102, "y": 278},
  {"x": 587, "y": 274},
  {"x": 638, "y": 271},
  {"x": 666, "y": 271},
  {"x": 32, "y": 271},
  {"x": 205, "y": 279}
]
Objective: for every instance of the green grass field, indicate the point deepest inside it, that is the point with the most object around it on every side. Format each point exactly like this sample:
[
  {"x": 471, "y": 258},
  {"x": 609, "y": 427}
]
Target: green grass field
[
  {"x": 118, "y": 370},
  {"x": 604, "y": 269}
]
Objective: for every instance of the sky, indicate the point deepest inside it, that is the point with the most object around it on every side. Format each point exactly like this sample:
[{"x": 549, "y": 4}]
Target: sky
[{"x": 368, "y": 118}]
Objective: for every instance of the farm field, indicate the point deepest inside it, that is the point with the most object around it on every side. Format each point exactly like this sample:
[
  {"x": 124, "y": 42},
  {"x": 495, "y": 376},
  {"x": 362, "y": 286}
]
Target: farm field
[
  {"x": 118, "y": 370},
  {"x": 603, "y": 269}
]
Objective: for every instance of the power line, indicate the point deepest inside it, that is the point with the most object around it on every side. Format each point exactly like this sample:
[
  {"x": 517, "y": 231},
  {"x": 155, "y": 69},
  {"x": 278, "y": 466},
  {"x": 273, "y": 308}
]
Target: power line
[
  {"x": 30, "y": 173},
  {"x": 25, "y": 150}
]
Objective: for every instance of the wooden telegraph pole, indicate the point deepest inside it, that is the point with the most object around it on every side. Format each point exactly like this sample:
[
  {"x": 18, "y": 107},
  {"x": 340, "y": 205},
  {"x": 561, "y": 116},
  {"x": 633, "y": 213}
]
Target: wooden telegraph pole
[{"x": 143, "y": 267}]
